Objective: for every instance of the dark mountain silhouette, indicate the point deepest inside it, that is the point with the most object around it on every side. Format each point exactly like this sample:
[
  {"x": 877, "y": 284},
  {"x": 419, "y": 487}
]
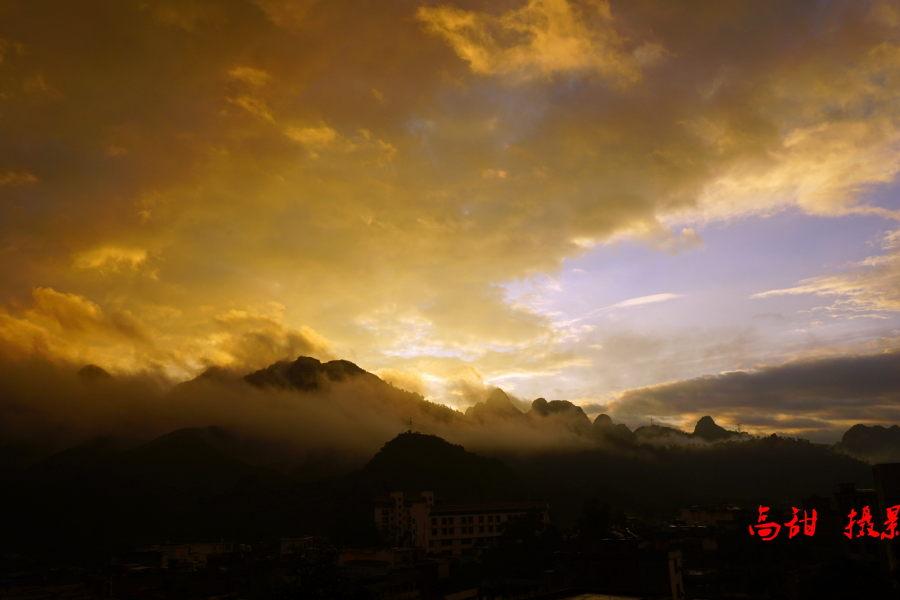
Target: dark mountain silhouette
[
  {"x": 307, "y": 374},
  {"x": 94, "y": 373},
  {"x": 655, "y": 480},
  {"x": 557, "y": 407},
  {"x": 181, "y": 486},
  {"x": 708, "y": 430},
  {"x": 660, "y": 435},
  {"x": 874, "y": 444},
  {"x": 497, "y": 404},
  {"x": 97, "y": 492},
  {"x": 562, "y": 411},
  {"x": 414, "y": 462},
  {"x": 603, "y": 428},
  {"x": 78, "y": 461},
  {"x": 185, "y": 463}
]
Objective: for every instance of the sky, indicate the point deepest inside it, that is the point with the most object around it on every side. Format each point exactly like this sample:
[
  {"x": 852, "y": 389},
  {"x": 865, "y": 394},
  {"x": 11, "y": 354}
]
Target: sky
[{"x": 653, "y": 209}]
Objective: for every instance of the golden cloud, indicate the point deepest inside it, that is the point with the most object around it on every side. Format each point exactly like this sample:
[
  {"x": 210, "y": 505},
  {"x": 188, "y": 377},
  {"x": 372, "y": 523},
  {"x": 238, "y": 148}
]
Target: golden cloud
[
  {"x": 248, "y": 159},
  {"x": 13, "y": 179},
  {"x": 542, "y": 38}
]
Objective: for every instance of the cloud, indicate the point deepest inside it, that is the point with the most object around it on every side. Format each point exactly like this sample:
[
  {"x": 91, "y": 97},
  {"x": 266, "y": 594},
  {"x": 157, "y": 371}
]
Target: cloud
[
  {"x": 111, "y": 258},
  {"x": 250, "y": 75},
  {"x": 870, "y": 287},
  {"x": 312, "y": 136},
  {"x": 248, "y": 157},
  {"x": 542, "y": 38},
  {"x": 68, "y": 326},
  {"x": 13, "y": 179},
  {"x": 250, "y": 340},
  {"x": 644, "y": 300},
  {"x": 821, "y": 393}
]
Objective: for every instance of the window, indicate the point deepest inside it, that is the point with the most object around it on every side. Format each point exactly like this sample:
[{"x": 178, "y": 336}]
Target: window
[
  {"x": 490, "y": 529},
  {"x": 434, "y": 520},
  {"x": 434, "y": 531},
  {"x": 490, "y": 518},
  {"x": 443, "y": 531},
  {"x": 446, "y": 542},
  {"x": 481, "y": 529},
  {"x": 481, "y": 519},
  {"x": 470, "y": 520}
]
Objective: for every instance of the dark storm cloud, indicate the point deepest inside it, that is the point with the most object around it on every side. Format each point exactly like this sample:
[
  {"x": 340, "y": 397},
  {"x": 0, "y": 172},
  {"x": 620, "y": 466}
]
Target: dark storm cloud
[{"x": 797, "y": 395}]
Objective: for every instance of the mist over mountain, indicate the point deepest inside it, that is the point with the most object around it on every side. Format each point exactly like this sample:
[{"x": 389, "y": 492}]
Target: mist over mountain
[
  {"x": 303, "y": 417},
  {"x": 300, "y": 446},
  {"x": 875, "y": 444}
]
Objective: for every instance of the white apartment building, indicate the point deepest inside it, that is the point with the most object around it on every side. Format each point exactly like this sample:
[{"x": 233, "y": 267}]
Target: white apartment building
[{"x": 449, "y": 529}]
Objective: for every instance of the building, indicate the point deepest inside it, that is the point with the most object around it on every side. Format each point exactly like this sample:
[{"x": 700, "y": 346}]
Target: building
[
  {"x": 623, "y": 568},
  {"x": 887, "y": 491},
  {"x": 852, "y": 498},
  {"x": 194, "y": 554},
  {"x": 725, "y": 516},
  {"x": 296, "y": 545},
  {"x": 448, "y": 529}
]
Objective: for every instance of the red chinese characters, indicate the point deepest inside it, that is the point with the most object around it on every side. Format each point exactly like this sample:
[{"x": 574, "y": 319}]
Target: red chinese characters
[
  {"x": 891, "y": 523},
  {"x": 866, "y": 527},
  {"x": 863, "y": 527},
  {"x": 809, "y": 524},
  {"x": 769, "y": 531}
]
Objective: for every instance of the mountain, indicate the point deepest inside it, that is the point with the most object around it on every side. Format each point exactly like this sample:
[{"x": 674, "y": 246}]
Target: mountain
[
  {"x": 414, "y": 462},
  {"x": 603, "y": 428},
  {"x": 182, "y": 486},
  {"x": 660, "y": 435},
  {"x": 97, "y": 492},
  {"x": 497, "y": 404},
  {"x": 561, "y": 410},
  {"x": 708, "y": 430},
  {"x": 875, "y": 444},
  {"x": 654, "y": 481},
  {"x": 307, "y": 374},
  {"x": 94, "y": 373}
]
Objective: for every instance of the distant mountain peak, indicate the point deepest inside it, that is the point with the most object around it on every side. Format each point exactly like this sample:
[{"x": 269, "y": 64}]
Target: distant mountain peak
[
  {"x": 603, "y": 421},
  {"x": 872, "y": 443},
  {"x": 708, "y": 430},
  {"x": 94, "y": 373},
  {"x": 497, "y": 404},
  {"x": 413, "y": 462},
  {"x": 557, "y": 407},
  {"x": 498, "y": 399},
  {"x": 305, "y": 373}
]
